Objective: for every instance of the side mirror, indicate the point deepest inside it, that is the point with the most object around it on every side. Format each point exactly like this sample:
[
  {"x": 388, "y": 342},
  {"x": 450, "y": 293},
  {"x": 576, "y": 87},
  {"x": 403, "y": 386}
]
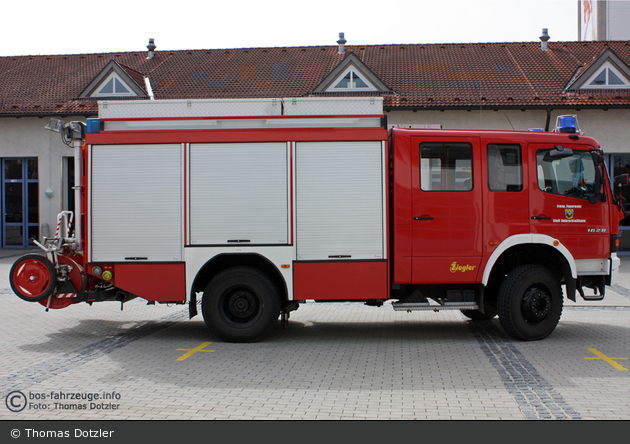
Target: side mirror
[
  {"x": 598, "y": 159},
  {"x": 621, "y": 180}
]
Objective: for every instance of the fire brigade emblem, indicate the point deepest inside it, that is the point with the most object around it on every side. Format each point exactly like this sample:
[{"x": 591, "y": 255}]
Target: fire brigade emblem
[{"x": 569, "y": 213}]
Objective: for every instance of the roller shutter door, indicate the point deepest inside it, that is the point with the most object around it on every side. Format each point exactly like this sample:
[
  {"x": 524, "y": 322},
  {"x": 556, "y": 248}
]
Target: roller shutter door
[
  {"x": 339, "y": 189},
  {"x": 239, "y": 194},
  {"x": 136, "y": 203}
]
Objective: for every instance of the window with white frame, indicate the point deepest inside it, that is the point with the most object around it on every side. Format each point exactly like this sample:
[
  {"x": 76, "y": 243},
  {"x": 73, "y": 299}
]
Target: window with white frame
[
  {"x": 351, "y": 81},
  {"x": 114, "y": 86},
  {"x": 607, "y": 77}
]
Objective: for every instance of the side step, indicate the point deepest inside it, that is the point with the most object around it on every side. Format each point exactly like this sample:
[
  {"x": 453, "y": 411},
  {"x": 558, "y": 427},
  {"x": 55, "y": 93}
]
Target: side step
[
  {"x": 419, "y": 306},
  {"x": 594, "y": 297}
]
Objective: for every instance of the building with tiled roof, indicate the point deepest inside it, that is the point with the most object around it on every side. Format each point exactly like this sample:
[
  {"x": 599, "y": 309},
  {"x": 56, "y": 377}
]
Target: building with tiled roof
[
  {"x": 417, "y": 77},
  {"x": 518, "y": 86}
]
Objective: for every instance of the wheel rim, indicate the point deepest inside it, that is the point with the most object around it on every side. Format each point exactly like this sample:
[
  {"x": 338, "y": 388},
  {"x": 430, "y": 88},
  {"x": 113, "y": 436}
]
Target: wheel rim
[
  {"x": 32, "y": 278},
  {"x": 536, "y": 305},
  {"x": 240, "y": 307}
]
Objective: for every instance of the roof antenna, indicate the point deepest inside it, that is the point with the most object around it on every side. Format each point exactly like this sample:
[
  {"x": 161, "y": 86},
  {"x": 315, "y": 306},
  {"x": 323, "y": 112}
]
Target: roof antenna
[
  {"x": 151, "y": 47},
  {"x": 544, "y": 38},
  {"x": 342, "y": 43}
]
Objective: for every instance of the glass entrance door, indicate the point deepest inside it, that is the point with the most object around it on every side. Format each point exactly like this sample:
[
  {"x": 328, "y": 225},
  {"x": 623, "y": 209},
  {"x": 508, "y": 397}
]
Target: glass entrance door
[{"x": 20, "y": 202}]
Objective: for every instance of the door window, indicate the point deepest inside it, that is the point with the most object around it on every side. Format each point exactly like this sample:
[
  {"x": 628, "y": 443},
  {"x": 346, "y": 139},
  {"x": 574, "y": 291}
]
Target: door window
[
  {"x": 505, "y": 167},
  {"x": 572, "y": 176},
  {"x": 446, "y": 166}
]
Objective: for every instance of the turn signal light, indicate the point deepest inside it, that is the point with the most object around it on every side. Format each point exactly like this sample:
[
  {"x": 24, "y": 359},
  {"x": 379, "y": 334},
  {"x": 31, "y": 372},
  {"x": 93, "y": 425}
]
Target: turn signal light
[{"x": 108, "y": 275}]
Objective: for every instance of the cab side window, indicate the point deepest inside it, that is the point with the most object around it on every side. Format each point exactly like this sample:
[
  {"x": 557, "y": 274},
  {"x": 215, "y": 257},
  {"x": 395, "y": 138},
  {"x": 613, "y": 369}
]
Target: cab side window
[
  {"x": 505, "y": 167},
  {"x": 446, "y": 166}
]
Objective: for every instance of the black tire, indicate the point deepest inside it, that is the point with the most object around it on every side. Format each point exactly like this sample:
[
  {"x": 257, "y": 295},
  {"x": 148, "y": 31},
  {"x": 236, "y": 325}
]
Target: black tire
[
  {"x": 33, "y": 277},
  {"x": 530, "y": 303},
  {"x": 490, "y": 312},
  {"x": 240, "y": 304}
]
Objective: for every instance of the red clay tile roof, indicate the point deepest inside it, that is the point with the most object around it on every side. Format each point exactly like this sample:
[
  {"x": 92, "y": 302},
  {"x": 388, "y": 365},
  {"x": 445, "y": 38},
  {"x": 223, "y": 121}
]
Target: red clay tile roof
[{"x": 435, "y": 76}]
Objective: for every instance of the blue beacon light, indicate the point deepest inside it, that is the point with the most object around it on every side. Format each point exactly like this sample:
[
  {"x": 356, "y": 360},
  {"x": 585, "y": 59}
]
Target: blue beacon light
[
  {"x": 567, "y": 124},
  {"x": 93, "y": 126}
]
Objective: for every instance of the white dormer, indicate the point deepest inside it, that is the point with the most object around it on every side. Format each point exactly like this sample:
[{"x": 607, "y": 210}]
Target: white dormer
[
  {"x": 351, "y": 75},
  {"x": 350, "y": 80},
  {"x": 608, "y": 71},
  {"x": 607, "y": 77},
  {"x": 115, "y": 80},
  {"x": 114, "y": 86}
]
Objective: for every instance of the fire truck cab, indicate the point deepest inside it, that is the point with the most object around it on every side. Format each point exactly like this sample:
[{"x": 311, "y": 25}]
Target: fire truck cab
[{"x": 250, "y": 207}]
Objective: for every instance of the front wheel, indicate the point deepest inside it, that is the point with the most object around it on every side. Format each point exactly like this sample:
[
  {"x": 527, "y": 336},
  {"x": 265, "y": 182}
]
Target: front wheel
[
  {"x": 530, "y": 302},
  {"x": 241, "y": 304}
]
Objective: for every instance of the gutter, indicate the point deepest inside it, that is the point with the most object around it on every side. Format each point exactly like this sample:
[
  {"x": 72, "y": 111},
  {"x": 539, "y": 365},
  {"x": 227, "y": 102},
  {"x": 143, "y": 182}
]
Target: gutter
[{"x": 500, "y": 107}]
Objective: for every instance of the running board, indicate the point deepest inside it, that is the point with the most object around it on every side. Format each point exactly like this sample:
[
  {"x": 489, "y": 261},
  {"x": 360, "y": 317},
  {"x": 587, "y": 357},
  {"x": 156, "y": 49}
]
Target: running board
[{"x": 417, "y": 306}]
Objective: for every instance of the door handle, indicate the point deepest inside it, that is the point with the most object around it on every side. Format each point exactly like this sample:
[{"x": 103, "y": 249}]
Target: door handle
[
  {"x": 423, "y": 218},
  {"x": 541, "y": 217}
]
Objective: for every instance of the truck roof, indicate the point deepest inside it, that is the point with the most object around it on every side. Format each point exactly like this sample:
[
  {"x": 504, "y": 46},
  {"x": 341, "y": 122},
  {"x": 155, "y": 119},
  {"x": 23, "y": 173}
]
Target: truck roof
[{"x": 523, "y": 136}]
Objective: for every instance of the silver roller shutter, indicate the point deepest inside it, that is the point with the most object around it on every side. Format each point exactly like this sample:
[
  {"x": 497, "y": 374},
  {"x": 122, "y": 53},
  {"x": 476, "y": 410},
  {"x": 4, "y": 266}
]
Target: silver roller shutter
[
  {"x": 339, "y": 189},
  {"x": 136, "y": 203},
  {"x": 239, "y": 193}
]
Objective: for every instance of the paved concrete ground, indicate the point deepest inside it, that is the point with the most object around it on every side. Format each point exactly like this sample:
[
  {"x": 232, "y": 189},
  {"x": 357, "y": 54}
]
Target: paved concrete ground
[{"x": 333, "y": 361}]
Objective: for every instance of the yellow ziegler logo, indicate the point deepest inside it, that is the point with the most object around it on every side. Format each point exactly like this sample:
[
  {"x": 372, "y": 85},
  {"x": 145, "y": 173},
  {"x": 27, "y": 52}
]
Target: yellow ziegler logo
[{"x": 455, "y": 267}]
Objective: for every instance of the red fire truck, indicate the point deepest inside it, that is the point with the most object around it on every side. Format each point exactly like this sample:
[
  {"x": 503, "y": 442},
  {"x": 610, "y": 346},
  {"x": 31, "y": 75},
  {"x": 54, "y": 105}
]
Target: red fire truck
[{"x": 250, "y": 207}]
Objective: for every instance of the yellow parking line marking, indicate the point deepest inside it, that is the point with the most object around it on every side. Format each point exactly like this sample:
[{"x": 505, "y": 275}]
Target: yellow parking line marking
[
  {"x": 192, "y": 351},
  {"x": 608, "y": 359}
]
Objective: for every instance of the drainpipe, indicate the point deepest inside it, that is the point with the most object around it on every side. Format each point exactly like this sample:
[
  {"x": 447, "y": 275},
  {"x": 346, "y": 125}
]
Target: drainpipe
[{"x": 548, "y": 119}]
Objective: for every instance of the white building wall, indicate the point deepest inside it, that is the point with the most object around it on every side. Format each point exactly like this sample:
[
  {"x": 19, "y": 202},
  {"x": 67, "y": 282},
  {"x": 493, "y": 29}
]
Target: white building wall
[{"x": 26, "y": 137}]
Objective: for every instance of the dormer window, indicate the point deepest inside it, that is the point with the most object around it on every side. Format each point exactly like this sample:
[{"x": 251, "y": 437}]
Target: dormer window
[
  {"x": 607, "y": 77},
  {"x": 351, "y": 76},
  {"x": 607, "y": 72},
  {"x": 349, "y": 80},
  {"x": 113, "y": 86},
  {"x": 116, "y": 80},
  {"x": 352, "y": 81}
]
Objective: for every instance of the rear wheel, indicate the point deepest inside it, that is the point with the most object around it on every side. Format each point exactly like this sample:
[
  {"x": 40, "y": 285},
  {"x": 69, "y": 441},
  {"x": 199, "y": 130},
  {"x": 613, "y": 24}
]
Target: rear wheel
[
  {"x": 241, "y": 304},
  {"x": 33, "y": 277},
  {"x": 530, "y": 302}
]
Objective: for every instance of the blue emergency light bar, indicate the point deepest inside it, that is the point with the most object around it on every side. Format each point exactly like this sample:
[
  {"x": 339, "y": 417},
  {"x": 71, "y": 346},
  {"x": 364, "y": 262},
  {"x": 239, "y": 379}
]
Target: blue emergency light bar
[
  {"x": 93, "y": 126},
  {"x": 567, "y": 124}
]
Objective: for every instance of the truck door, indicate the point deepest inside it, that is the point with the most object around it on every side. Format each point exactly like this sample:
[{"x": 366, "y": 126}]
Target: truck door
[
  {"x": 560, "y": 200},
  {"x": 506, "y": 198},
  {"x": 447, "y": 204}
]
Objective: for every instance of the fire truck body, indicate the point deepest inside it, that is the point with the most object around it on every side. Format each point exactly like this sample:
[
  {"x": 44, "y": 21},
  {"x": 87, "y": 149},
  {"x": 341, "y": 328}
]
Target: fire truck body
[{"x": 251, "y": 207}]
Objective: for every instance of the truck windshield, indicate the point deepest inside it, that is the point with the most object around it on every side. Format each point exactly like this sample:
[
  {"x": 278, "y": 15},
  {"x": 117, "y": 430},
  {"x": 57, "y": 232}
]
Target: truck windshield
[{"x": 572, "y": 176}]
